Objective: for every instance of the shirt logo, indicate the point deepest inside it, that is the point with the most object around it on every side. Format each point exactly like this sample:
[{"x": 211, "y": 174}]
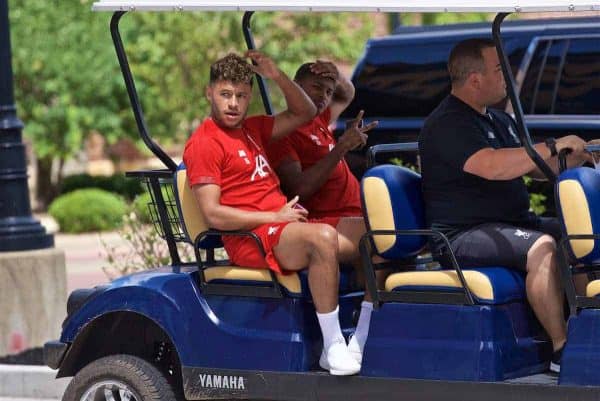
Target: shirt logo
[
  {"x": 512, "y": 133},
  {"x": 522, "y": 234},
  {"x": 272, "y": 230},
  {"x": 242, "y": 154},
  {"x": 491, "y": 135},
  {"x": 315, "y": 139},
  {"x": 261, "y": 166}
]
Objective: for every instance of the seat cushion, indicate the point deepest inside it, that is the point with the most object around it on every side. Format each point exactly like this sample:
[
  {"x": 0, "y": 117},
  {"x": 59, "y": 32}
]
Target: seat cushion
[
  {"x": 192, "y": 221},
  {"x": 593, "y": 288},
  {"x": 392, "y": 200},
  {"x": 577, "y": 194},
  {"x": 489, "y": 285},
  {"x": 295, "y": 284},
  {"x": 249, "y": 276}
]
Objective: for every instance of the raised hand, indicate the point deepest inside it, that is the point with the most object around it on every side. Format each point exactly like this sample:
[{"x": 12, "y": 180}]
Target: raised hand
[
  {"x": 292, "y": 211},
  {"x": 264, "y": 65},
  {"x": 326, "y": 69},
  {"x": 355, "y": 135}
]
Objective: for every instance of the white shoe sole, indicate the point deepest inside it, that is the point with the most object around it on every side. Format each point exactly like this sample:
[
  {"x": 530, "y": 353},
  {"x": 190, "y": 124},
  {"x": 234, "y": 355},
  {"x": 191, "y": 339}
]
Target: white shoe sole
[{"x": 336, "y": 372}]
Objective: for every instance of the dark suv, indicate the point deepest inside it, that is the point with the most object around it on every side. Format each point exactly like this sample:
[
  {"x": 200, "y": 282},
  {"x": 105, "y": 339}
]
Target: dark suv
[{"x": 401, "y": 78}]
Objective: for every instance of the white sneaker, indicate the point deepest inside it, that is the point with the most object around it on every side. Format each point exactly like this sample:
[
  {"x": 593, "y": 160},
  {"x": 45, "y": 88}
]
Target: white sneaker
[
  {"x": 355, "y": 350},
  {"x": 338, "y": 360}
]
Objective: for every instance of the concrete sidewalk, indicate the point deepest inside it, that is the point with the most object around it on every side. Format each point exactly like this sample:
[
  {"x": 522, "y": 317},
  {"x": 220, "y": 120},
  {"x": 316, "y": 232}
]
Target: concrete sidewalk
[
  {"x": 37, "y": 382},
  {"x": 85, "y": 257}
]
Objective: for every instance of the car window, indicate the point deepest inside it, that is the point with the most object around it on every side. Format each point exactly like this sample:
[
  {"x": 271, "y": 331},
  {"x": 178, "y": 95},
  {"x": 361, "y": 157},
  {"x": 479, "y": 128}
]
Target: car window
[
  {"x": 397, "y": 81},
  {"x": 407, "y": 86},
  {"x": 541, "y": 81},
  {"x": 579, "y": 86}
]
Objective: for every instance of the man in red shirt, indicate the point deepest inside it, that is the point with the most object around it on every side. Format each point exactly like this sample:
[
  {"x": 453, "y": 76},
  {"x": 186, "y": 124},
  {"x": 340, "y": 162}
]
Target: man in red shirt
[
  {"x": 311, "y": 166},
  {"x": 237, "y": 190}
]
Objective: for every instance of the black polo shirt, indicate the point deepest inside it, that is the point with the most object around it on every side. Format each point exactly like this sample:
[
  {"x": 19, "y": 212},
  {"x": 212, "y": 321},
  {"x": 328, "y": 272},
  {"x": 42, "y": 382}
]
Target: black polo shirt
[{"x": 456, "y": 200}]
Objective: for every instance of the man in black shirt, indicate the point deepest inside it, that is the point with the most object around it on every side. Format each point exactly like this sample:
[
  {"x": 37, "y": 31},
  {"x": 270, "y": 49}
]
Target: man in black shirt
[{"x": 472, "y": 166}]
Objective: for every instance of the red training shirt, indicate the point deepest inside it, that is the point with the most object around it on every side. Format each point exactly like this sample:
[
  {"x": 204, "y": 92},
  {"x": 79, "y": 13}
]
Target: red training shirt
[
  {"x": 235, "y": 160},
  {"x": 340, "y": 195}
]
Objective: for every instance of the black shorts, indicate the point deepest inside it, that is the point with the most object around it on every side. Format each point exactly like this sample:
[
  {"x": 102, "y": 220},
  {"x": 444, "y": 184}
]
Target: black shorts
[{"x": 498, "y": 244}]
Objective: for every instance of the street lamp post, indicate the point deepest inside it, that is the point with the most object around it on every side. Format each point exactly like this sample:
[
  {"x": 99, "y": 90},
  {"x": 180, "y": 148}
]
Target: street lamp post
[{"x": 19, "y": 231}]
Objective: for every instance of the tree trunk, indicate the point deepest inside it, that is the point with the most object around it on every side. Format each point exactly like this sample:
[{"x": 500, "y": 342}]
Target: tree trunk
[{"x": 46, "y": 190}]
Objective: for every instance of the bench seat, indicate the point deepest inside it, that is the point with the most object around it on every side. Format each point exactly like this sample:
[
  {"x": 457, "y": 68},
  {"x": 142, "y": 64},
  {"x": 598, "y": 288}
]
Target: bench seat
[{"x": 489, "y": 285}]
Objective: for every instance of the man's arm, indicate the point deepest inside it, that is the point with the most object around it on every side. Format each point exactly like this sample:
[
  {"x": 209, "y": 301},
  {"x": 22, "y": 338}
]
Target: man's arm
[
  {"x": 304, "y": 183},
  {"x": 343, "y": 95},
  {"x": 572, "y": 161},
  {"x": 510, "y": 163},
  {"x": 300, "y": 109},
  {"x": 227, "y": 218}
]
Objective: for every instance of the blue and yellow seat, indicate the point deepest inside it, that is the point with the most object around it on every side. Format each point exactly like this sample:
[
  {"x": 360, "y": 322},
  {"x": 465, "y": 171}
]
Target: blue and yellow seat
[
  {"x": 393, "y": 201},
  {"x": 577, "y": 193},
  {"x": 446, "y": 324}
]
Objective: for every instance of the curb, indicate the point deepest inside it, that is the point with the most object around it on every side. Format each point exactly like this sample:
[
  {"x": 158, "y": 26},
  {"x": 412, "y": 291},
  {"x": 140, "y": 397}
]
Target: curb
[{"x": 27, "y": 381}]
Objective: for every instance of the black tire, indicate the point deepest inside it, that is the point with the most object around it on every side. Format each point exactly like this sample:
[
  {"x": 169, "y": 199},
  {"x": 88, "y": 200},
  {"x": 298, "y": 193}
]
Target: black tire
[{"x": 128, "y": 373}]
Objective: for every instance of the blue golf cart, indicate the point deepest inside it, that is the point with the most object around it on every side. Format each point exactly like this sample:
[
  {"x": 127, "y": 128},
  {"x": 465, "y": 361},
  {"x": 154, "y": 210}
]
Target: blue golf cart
[{"x": 210, "y": 330}]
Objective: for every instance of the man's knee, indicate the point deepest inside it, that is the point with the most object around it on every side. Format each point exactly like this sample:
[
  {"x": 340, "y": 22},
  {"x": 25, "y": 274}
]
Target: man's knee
[
  {"x": 544, "y": 249},
  {"x": 317, "y": 236},
  {"x": 545, "y": 244},
  {"x": 324, "y": 235}
]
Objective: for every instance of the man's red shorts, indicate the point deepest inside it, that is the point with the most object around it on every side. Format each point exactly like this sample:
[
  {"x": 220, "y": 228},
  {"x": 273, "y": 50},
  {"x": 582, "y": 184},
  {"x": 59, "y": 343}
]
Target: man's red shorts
[{"x": 243, "y": 251}]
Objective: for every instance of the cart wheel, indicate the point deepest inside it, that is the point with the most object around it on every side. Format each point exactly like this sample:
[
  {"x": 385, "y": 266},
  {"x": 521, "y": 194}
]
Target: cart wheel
[{"x": 119, "y": 378}]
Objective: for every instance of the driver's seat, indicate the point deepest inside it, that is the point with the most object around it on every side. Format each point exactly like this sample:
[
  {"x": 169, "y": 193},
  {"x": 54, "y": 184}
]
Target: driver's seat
[{"x": 430, "y": 328}]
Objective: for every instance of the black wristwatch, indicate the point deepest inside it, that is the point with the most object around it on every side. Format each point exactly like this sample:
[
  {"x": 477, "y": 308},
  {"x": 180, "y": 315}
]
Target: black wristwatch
[{"x": 551, "y": 144}]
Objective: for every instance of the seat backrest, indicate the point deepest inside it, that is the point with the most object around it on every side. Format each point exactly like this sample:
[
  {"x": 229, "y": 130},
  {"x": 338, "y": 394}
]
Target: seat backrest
[
  {"x": 192, "y": 221},
  {"x": 577, "y": 195},
  {"x": 392, "y": 200}
]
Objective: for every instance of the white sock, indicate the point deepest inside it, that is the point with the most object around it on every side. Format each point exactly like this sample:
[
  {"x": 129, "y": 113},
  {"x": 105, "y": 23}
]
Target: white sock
[
  {"x": 362, "y": 328},
  {"x": 330, "y": 327}
]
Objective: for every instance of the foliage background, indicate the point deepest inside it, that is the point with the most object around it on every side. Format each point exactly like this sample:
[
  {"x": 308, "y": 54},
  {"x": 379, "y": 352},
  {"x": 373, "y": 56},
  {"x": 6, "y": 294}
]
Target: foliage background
[{"x": 68, "y": 83}]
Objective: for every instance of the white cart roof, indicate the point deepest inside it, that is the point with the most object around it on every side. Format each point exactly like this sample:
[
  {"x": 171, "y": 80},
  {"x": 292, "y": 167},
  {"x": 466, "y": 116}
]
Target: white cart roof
[{"x": 494, "y": 6}]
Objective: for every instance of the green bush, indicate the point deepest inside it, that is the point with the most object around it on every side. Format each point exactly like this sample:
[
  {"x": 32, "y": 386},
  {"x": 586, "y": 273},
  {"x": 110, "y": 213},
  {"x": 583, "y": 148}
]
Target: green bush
[
  {"x": 88, "y": 210},
  {"x": 140, "y": 204},
  {"x": 140, "y": 207},
  {"x": 118, "y": 184}
]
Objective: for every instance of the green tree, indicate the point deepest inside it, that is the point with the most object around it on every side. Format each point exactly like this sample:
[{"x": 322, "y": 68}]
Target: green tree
[
  {"x": 66, "y": 80},
  {"x": 170, "y": 54}
]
